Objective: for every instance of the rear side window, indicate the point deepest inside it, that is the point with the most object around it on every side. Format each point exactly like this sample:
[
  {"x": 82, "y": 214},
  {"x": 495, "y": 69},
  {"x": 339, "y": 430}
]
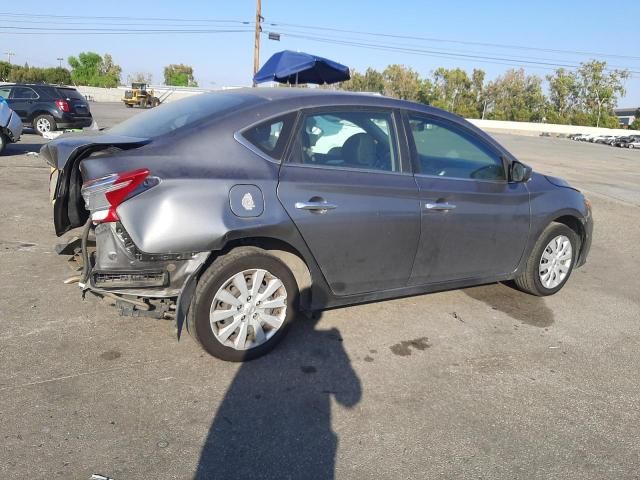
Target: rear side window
[
  {"x": 447, "y": 151},
  {"x": 270, "y": 136},
  {"x": 4, "y": 92},
  {"x": 24, "y": 93}
]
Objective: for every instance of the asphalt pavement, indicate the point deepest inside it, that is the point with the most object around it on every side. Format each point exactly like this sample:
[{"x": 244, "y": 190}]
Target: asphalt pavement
[{"x": 483, "y": 383}]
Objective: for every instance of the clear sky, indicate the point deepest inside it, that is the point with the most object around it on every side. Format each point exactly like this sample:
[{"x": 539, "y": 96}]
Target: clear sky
[{"x": 223, "y": 59}]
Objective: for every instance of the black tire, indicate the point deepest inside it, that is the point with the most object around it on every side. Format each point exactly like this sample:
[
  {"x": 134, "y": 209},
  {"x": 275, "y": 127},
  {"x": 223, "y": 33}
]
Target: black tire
[
  {"x": 44, "y": 119},
  {"x": 221, "y": 270},
  {"x": 3, "y": 142},
  {"x": 529, "y": 281},
  {"x": 129, "y": 105},
  {"x": 155, "y": 102}
]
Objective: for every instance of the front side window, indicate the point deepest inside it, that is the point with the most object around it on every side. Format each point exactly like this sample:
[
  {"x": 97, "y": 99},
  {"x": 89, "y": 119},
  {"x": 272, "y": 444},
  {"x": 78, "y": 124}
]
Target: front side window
[
  {"x": 24, "y": 93},
  {"x": 347, "y": 139},
  {"x": 447, "y": 151},
  {"x": 270, "y": 136}
]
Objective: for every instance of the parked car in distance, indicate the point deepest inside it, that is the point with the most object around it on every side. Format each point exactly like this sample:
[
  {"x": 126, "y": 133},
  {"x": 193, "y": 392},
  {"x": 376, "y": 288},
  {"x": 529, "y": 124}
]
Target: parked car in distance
[
  {"x": 634, "y": 144},
  {"x": 47, "y": 108},
  {"x": 582, "y": 137},
  {"x": 10, "y": 126},
  {"x": 241, "y": 208},
  {"x": 606, "y": 139},
  {"x": 626, "y": 140}
]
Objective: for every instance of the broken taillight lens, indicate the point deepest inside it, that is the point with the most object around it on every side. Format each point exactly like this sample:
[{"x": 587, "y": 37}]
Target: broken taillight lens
[{"x": 102, "y": 196}]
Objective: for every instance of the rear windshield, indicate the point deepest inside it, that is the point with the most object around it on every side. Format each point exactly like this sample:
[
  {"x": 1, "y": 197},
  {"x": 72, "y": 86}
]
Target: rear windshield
[
  {"x": 174, "y": 115},
  {"x": 71, "y": 93}
]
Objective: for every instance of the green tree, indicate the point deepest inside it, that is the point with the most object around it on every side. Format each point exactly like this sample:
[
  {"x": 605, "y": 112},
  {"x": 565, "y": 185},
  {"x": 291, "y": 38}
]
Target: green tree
[
  {"x": 401, "y": 82},
  {"x": 599, "y": 89},
  {"x": 27, "y": 74},
  {"x": 635, "y": 125},
  {"x": 454, "y": 91},
  {"x": 109, "y": 71},
  {"x": 370, "y": 81},
  {"x": 426, "y": 92},
  {"x": 179, "y": 75},
  {"x": 516, "y": 96},
  {"x": 563, "y": 96},
  {"x": 89, "y": 68},
  {"x": 5, "y": 70}
]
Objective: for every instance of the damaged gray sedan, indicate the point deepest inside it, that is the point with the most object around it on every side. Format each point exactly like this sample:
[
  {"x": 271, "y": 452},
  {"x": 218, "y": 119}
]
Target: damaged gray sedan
[{"x": 235, "y": 210}]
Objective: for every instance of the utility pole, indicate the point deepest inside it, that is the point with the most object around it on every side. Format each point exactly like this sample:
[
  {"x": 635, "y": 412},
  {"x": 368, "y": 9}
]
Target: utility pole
[
  {"x": 60, "y": 61},
  {"x": 256, "y": 46},
  {"x": 9, "y": 55}
]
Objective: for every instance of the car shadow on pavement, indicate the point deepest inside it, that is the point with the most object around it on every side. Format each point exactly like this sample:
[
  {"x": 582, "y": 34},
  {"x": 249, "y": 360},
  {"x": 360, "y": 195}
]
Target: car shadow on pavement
[
  {"x": 521, "y": 306},
  {"x": 275, "y": 419}
]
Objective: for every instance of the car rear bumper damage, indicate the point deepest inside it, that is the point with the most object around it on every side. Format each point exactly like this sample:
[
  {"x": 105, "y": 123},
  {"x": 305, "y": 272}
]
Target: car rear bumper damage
[
  {"x": 139, "y": 284},
  {"x": 119, "y": 266}
]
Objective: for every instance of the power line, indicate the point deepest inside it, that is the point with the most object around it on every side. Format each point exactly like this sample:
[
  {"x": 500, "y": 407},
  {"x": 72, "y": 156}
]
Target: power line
[
  {"x": 161, "y": 30},
  {"x": 441, "y": 54},
  {"x": 74, "y": 23},
  {"x": 460, "y": 42},
  {"x": 172, "y": 19},
  {"x": 453, "y": 53},
  {"x": 122, "y": 32}
]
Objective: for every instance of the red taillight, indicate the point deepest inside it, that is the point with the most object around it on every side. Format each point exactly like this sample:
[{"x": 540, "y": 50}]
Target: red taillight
[
  {"x": 103, "y": 195},
  {"x": 63, "y": 105}
]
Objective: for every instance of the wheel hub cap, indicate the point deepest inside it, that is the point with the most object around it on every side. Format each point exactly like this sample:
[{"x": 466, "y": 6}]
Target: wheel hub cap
[
  {"x": 555, "y": 262},
  {"x": 43, "y": 125},
  {"x": 248, "y": 309}
]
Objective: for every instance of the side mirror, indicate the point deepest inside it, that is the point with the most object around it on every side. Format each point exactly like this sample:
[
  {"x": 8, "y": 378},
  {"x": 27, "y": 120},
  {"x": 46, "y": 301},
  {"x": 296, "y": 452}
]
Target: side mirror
[{"x": 520, "y": 172}]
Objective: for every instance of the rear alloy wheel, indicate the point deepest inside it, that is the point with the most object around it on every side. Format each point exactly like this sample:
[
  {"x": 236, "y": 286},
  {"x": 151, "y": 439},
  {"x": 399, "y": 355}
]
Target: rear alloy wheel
[
  {"x": 551, "y": 261},
  {"x": 44, "y": 124},
  {"x": 243, "y": 305}
]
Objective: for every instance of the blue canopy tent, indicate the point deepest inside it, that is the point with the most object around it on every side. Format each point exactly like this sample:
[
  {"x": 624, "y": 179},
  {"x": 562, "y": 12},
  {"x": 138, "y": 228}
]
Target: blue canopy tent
[{"x": 299, "y": 67}]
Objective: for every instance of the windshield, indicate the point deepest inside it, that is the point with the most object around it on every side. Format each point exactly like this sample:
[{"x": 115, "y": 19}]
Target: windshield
[{"x": 172, "y": 116}]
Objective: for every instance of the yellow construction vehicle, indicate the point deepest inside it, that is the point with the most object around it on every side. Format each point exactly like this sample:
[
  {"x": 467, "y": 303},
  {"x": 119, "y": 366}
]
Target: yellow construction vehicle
[{"x": 141, "y": 95}]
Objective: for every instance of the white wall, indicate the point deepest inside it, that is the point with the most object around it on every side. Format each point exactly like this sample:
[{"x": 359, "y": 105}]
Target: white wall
[
  {"x": 526, "y": 128},
  {"x": 115, "y": 94}
]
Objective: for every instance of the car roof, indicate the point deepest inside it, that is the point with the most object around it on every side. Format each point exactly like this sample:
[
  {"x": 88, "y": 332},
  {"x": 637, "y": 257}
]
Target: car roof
[
  {"x": 37, "y": 85},
  {"x": 310, "y": 97}
]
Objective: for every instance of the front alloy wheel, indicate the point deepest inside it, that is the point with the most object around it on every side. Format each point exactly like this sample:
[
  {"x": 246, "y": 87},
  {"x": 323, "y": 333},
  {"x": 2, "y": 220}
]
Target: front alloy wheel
[
  {"x": 555, "y": 262},
  {"x": 551, "y": 261}
]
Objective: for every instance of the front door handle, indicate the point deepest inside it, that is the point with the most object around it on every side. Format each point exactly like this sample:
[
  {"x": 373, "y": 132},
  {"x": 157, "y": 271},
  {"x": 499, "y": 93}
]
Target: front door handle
[
  {"x": 318, "y": 207},
  {"x": 439, "y": 206}
]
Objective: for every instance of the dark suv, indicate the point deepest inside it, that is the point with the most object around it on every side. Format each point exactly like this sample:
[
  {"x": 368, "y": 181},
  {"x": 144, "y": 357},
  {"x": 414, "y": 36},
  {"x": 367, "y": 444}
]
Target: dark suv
[{"x": 47, "y": 107}]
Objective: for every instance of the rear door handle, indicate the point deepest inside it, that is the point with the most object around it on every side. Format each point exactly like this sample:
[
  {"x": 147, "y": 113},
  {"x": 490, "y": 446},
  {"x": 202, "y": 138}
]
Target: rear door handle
[
  {"x": 439, "y": 206},
  {"x": 319, "y": 207}
]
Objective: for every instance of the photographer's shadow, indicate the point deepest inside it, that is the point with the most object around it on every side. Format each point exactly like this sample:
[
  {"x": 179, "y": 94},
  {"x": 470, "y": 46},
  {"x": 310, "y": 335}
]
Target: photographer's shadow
[{"x": 275, "y": 419}]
